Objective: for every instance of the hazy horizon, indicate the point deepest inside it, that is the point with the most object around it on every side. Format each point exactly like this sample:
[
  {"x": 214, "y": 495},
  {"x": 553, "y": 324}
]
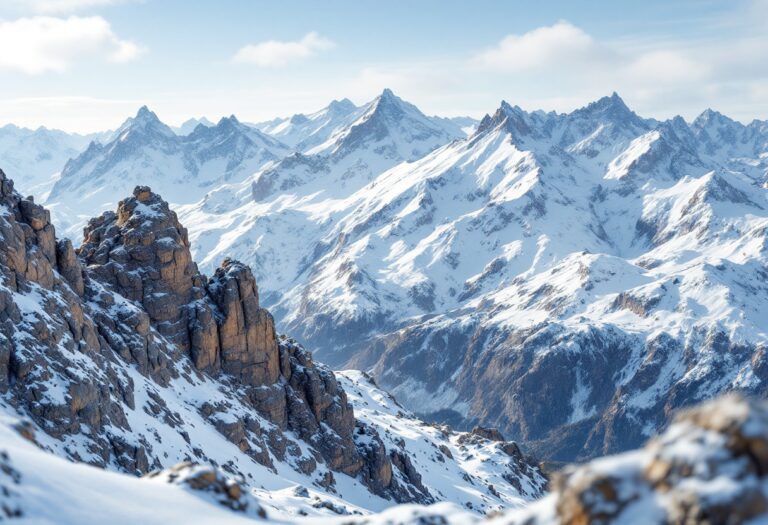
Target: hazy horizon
[{"x": 86, "y": 65}]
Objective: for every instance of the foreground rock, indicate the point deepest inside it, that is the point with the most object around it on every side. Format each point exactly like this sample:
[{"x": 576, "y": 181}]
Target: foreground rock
[
  {"x": 710, "y": 466},
  {"x": 212, "y": 484}
]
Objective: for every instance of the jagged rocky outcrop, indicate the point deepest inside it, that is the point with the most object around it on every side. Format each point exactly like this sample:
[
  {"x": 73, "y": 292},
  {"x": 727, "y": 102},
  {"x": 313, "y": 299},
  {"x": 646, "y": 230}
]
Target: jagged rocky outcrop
[
  {"x": 142, "y": 252},
  {"x": 119, "y": 351},
  {"x": 46, "y": 324}
]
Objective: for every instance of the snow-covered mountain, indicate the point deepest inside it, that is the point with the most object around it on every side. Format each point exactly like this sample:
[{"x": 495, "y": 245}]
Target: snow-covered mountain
[
  {"x": 188, "y": 126},
  {"x": 187, "y": 162},
  {"x": 569, "y": 278},
  {"x": 39, "y": 154},
  {"x": 144, "y": 150},
  {"x": 123, "y": 356},
  {"x": 619, "y": 254},
  {"x": 385, "y": 132},
  {"x": 303, "y": 132}
]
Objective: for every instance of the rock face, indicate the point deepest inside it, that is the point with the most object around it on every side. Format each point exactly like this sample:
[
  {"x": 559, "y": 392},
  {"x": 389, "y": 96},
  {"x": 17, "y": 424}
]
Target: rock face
[
  {"x": 125, "y": 356},
  {"x": 142, "y": 252},
  {"x": 247, "y": 341},
  {"x": 46, "y": 324}
]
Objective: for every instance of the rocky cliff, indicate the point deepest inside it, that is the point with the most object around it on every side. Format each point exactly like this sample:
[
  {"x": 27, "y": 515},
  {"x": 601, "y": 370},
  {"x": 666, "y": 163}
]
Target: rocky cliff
[{"x": 127, "y": 357}]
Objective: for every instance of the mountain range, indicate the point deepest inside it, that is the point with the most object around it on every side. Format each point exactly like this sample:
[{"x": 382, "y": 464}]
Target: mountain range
[{"x": 569, "y": 278}]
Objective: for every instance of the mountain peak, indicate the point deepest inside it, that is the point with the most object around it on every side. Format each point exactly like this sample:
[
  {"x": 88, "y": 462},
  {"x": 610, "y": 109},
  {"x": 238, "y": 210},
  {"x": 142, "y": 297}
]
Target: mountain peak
[
  {"x": 610, "y": 103},
  {"x": 231, "y": 119},
  {"x": 341, "y": 106},
  {"x": 228, "y": 122},
  {"x": 299, "y": 118},
  {"x": 503, "y": 115},
  {"x": 145, "y": 120},
  {"x": 712, "y": 117},
  {"x": 388, "y": 99},
  {"x": 145, "y": 114},
  {"x": 388, "y": 106},
  {"x": 611, "y": 109}
]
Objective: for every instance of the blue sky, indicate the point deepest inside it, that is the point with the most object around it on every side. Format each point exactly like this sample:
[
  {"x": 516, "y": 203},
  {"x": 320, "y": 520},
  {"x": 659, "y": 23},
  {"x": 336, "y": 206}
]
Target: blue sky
[{"x": 86, "y": 65}]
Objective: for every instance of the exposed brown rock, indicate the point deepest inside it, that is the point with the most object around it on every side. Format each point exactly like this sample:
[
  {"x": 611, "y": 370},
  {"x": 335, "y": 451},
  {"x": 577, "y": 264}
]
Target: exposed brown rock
[
  {"x": 69, "y": 266},
  {"x": 247, "y": 339},
  {"x": 52, "y": 323},
  {"x": 143, "y": 252},
  {"x": 491, "y": 434}
]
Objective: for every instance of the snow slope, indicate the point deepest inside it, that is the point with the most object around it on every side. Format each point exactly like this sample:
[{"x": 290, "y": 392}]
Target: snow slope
[
  {"x": 706, "y": 468},
  {"x": 476, "y": 479}
]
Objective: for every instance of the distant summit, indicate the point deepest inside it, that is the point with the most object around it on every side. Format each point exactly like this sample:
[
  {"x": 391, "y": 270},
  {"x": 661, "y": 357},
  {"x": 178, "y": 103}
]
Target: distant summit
[{"x": 189, "y": 126}]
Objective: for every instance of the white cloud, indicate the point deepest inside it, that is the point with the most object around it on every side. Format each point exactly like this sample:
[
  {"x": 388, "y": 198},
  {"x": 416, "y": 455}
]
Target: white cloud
[
  {"x": 274, "y": 53},
  {"x": 559, "y": 44},
  {"x": 61, "y": 6},
  {"x": 573, "y": 54},
  {"x": 41, "y": 44}
]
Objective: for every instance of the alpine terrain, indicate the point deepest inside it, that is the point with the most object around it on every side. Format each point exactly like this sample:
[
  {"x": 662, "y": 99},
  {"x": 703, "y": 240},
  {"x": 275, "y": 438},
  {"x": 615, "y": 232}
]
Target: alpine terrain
[
  {"x": 121, "y": 355},
  {"x": 570, "y": 279},
  {"x": 356, "y": 263}
]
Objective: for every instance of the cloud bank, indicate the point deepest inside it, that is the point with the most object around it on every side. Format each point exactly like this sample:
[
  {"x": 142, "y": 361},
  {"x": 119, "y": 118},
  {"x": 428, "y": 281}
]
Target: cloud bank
[{"x": 43, "y": 44}]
